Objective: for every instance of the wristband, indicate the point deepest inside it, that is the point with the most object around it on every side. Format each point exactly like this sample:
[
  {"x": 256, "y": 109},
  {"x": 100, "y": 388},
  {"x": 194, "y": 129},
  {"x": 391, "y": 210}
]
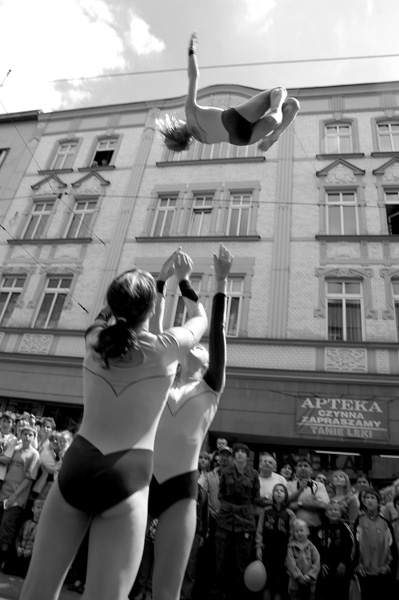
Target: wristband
[
  {"x": 187, "y": 291},
  {"x": 191, "y": 51},
  {"x": 161, "y": 287}
]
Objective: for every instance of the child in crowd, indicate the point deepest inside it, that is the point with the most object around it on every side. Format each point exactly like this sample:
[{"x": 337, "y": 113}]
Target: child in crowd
[
  {"x": 336, "y": 546},
  {"x": 18, "y": 563},
  {"x": 273, "y": 533},
  {"x": 303, "y": 564}
]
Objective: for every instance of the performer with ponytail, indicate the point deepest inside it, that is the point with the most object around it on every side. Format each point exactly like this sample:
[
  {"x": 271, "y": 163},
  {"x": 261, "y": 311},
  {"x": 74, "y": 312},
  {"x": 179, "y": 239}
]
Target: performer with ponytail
[
  {"x": 104, "y": 480},
  {"x": 262, "y": 118}
]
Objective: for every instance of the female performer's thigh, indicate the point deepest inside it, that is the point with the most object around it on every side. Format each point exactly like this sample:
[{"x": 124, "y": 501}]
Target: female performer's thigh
[
  {"x": 116, "y": 546},
  {"x": 173, "y": 542},
  {"x": 59, "y": 534}
]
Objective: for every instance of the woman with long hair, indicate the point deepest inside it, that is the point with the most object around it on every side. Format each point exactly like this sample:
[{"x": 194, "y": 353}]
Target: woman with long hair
[
  {"x": 342, "y": 494},
  {"x": 104, "y": 479}
]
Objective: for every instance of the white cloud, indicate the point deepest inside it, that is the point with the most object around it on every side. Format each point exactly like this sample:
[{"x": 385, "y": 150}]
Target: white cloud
[
  {"x": 49, "y": 39},
  {"x": 257, "y": 11},
  {"x": 141, "y": 39}
]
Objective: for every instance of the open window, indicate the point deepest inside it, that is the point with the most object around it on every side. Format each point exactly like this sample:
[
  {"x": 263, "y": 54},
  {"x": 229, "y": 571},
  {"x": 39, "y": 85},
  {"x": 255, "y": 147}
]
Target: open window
[{"x": 392, "y": 211}]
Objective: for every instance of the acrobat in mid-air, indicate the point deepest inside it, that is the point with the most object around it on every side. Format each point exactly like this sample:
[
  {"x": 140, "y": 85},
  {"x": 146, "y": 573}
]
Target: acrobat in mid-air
[{"x": 262, "y": 118}]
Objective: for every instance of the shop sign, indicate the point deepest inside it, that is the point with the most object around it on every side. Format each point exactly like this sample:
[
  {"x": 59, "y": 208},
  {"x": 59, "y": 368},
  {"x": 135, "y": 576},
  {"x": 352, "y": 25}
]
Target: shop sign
[{"x": 342, "y": 418}]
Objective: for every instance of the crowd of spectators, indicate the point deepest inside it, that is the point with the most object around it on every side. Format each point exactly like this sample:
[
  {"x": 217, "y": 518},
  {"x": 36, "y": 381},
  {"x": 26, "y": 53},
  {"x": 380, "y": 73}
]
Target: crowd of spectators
[{"x": 320, "y": 536}]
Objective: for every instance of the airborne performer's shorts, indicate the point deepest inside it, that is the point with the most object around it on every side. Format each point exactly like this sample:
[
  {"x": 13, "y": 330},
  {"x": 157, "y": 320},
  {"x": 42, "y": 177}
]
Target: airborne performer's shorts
[
  {"x": 163, "y": 495},
  {"x": 238, "y": 128},
  {"x": 93, "y": 482}
]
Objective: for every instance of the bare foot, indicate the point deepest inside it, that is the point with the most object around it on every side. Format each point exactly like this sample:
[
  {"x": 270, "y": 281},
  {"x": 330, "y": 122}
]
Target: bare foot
[{"x": 267, "y": 142}]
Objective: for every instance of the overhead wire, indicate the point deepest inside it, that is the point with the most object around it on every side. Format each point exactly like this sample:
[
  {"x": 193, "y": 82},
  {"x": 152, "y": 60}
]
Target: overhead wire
[{"x": 221, "y": 66}]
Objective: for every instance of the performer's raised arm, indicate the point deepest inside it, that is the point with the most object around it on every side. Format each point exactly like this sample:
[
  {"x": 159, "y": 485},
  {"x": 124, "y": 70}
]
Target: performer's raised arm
[
  {"x": 215, "y": 375},
  {"x": 193, "y": 72}
]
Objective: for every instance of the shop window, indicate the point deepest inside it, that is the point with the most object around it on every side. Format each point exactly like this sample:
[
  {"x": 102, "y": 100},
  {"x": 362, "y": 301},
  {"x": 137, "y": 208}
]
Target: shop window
[
  {"x": 388, "y": 136},
  {"x": 342, "y": 213},
  {"x": 79, "y": 225},
  {"x": 38, "y": 219},
  {"x": 10, "y": 291},
  {"x": 344, "y": 310},
  {"x": 338, "y": 138},
  {"x": 53, "y": 300}
]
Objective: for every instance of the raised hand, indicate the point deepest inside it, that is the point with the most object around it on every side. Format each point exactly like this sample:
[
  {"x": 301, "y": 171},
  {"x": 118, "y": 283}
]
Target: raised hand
[
  {"x": 168, "y": 268},
  {"x": 222, "y": 263},
  {"x": 183, "y": 266}
]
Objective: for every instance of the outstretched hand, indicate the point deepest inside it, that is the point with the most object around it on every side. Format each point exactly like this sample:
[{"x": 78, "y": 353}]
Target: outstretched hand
[
  {"x": 183, "y": 265},
  {"x": 222, "y": 263},
  {"x": 168, "y": 268},
  {"x": 193, "y": 40}
]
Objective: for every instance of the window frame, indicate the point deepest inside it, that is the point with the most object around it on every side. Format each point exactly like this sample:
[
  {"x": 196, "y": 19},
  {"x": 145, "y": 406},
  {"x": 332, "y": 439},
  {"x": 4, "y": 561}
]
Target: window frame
[
  {"x": 338, "y": 137},
  {"x": 204, "y": 209},
  {"x": 242, "y": 194},
  {"x": 74, "y": 213},
  {"x": 386, "y": 122},
  {"x": 44, "y": 291},
  {"x": 29, "y": 214},
  {"x": 337, "y": 122},
  {"x": 54, "y": 153},
  {"x": 341, "y": 204},
  {"x": 15, "y": 275},
  {"x": 344, "y": 298},
  {"x": 94, "y": 149},
  {"x": 169, "y": 209},
  {"x": 3, "y": 155}
]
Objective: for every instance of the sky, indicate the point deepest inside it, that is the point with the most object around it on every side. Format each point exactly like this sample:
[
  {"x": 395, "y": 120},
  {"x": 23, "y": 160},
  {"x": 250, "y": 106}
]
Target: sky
[{"x": 98, "y": 48}]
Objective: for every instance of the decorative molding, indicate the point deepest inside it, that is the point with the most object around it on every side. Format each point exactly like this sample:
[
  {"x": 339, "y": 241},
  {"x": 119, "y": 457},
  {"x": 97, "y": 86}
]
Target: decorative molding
[
  {"x": 91, "y": 183},
  {"x": 35, "y": 344},
  {"x": 46, "y": 185},
  {"x": 389, "y": 170},
  {"x": 388, "y": 274},
  {"x": 346, "y": 359},
  {"x": 340, "y": 172}
]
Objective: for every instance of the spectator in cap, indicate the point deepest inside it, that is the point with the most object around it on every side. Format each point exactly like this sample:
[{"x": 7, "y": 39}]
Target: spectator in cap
[
  {"x": 235, "y": 534},
  {"x": 14, "y": 493},
  {"x": 308, "y": 498},
  {"x": 8, "y": 441},
  {"x": 374, "y": 546}
]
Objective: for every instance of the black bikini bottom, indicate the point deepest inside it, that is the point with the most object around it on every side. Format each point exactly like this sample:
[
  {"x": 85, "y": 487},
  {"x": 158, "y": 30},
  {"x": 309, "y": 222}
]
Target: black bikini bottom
[
  {"x": 93, "y": 482},
  {"x": 239, "y": 129},
  {"x": 163, "y": 495}
]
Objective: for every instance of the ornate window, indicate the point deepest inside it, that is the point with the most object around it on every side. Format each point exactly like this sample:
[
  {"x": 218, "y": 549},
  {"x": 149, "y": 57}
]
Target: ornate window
[
  {"x": 54, "y": 296},
  {"x": 81, "y": 218},
  {"x": 342, "y": 212},
  {"x": 10, "y": 291},
  {"x": 344, "y": 300}
]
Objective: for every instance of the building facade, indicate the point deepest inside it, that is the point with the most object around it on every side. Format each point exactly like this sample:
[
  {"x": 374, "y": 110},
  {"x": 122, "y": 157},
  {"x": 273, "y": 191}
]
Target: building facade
[{"x": 313, "y": 297}]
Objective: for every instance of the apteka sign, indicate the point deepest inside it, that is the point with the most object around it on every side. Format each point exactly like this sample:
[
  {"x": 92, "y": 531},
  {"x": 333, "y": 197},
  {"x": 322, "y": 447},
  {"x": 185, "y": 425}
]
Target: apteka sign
[{"x": 343, "y": 418}]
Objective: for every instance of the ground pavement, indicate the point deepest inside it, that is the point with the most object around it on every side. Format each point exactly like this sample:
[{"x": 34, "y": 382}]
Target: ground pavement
[{"x": 10, "y": 589}]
